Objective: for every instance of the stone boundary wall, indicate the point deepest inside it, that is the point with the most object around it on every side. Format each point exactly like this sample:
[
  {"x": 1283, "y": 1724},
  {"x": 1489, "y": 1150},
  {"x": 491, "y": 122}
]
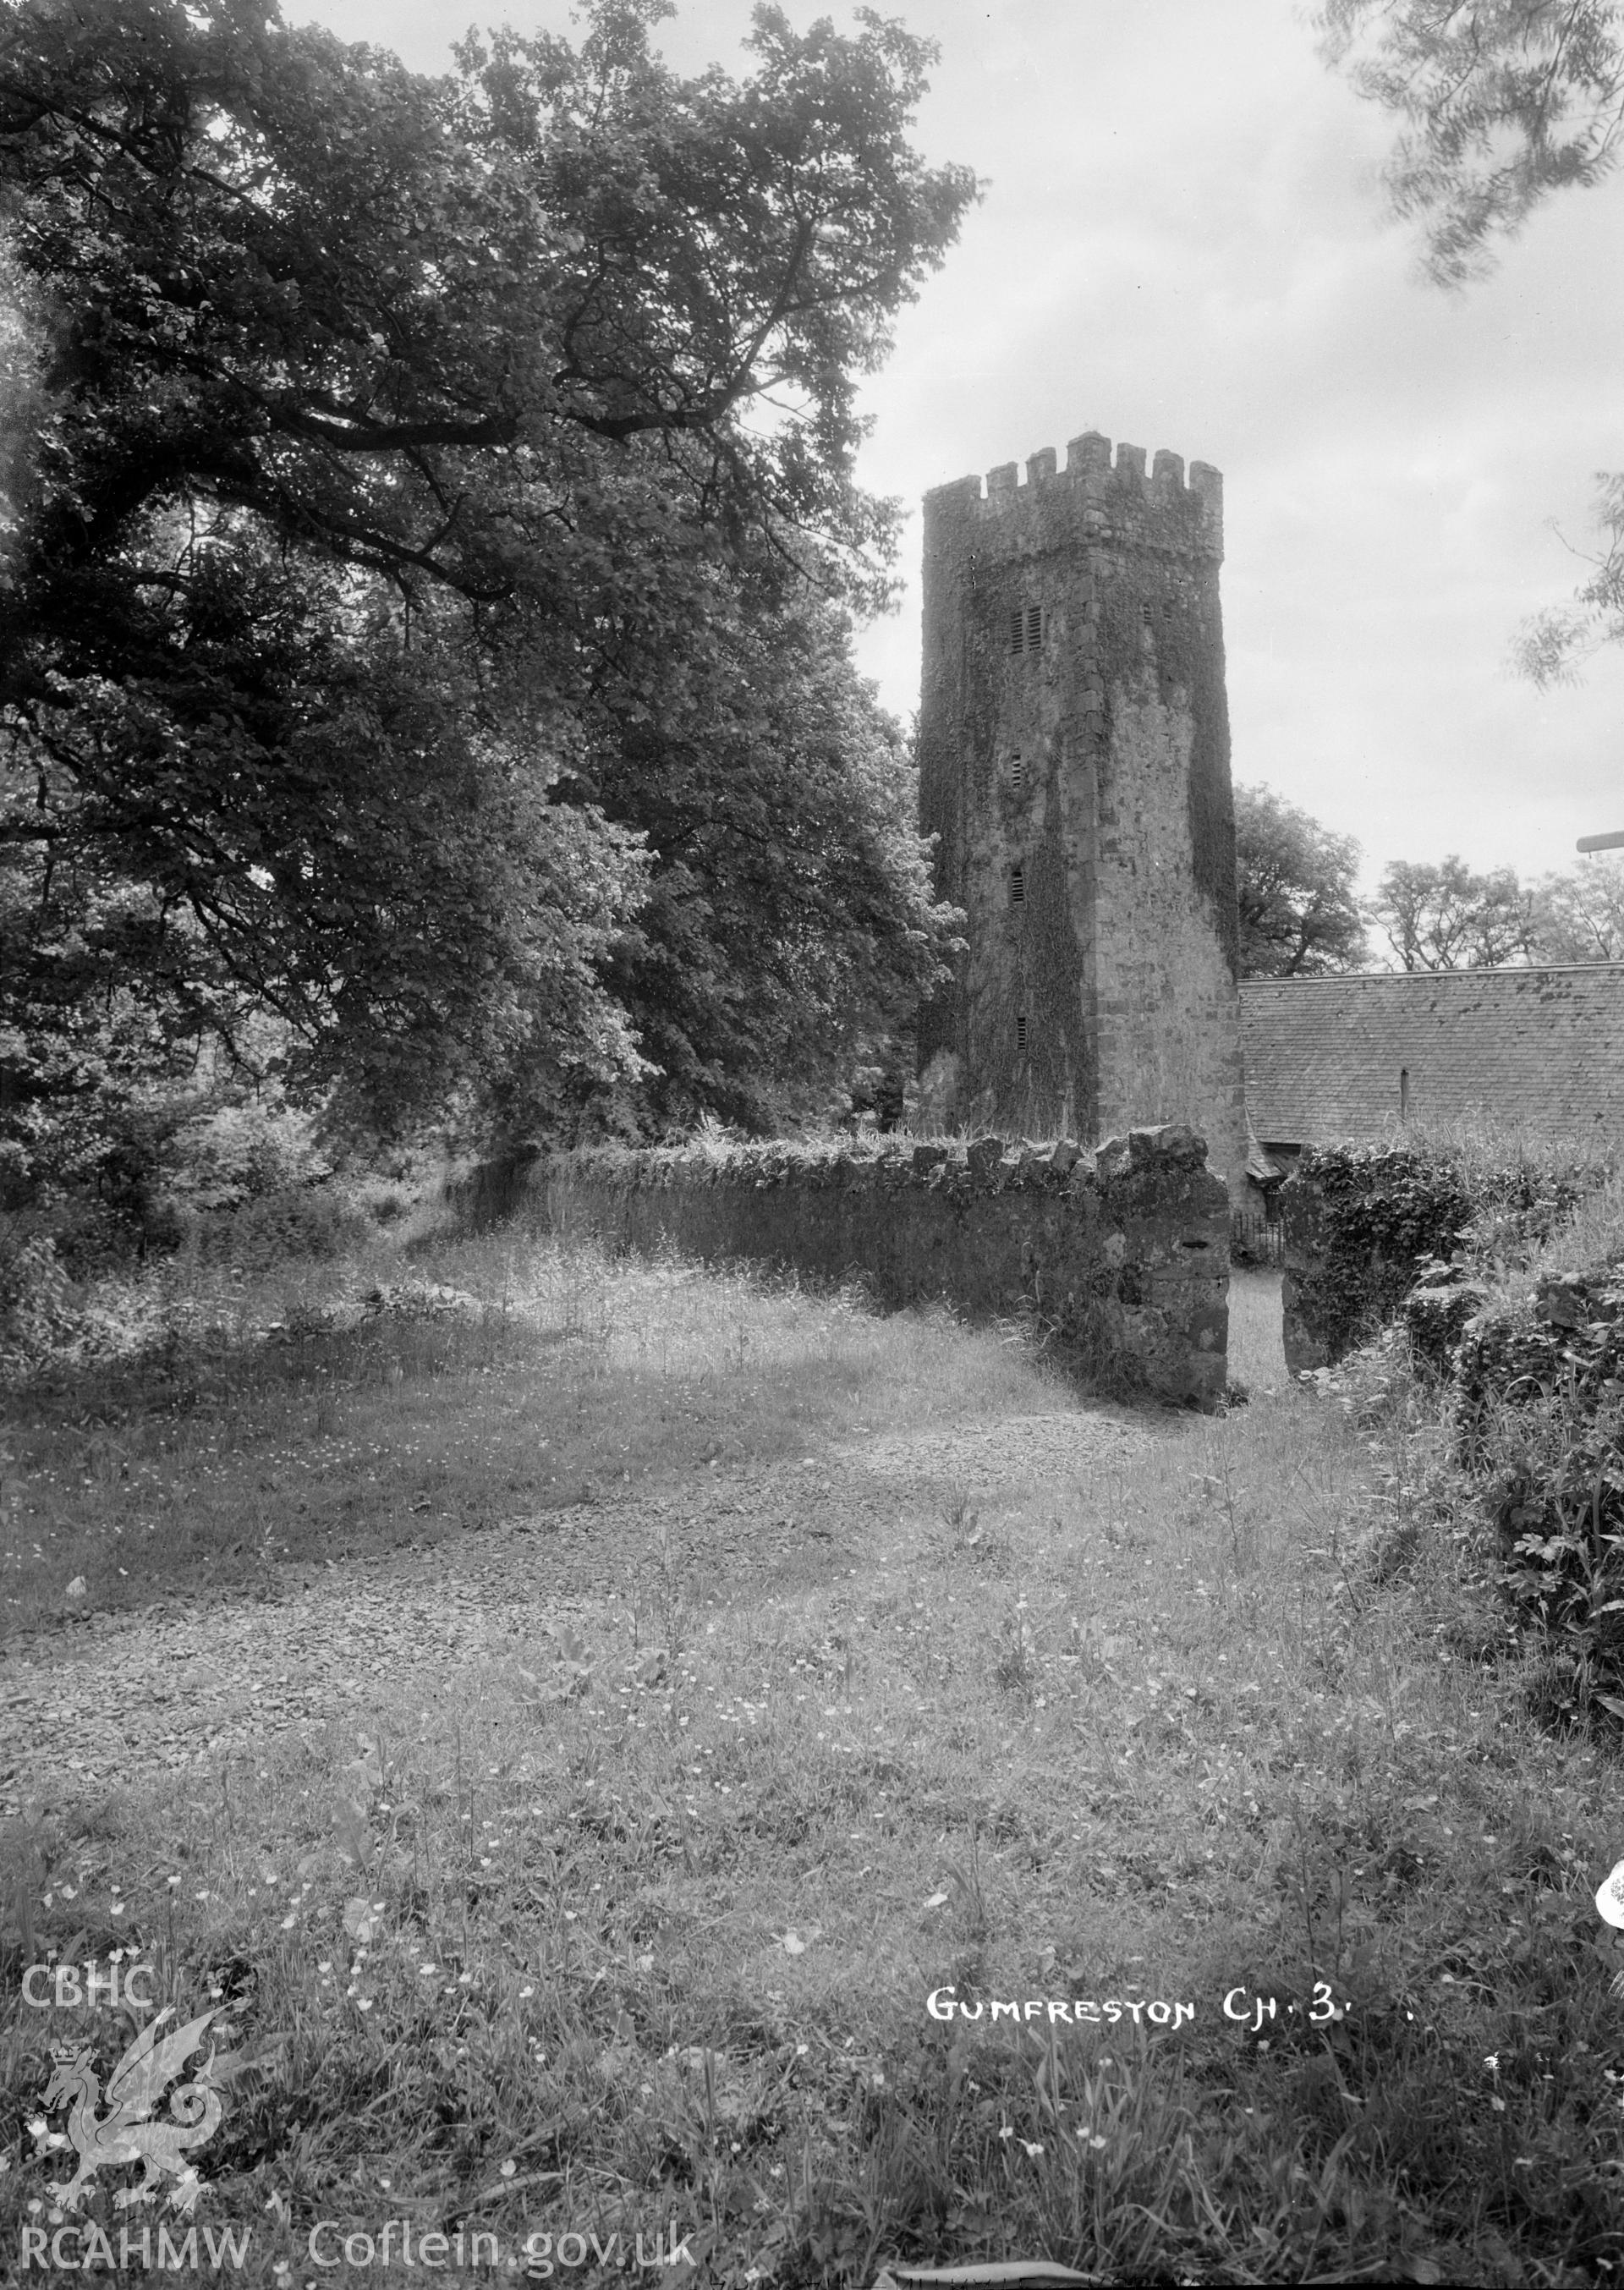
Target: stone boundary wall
[{"x": 1122, "y": 1254}]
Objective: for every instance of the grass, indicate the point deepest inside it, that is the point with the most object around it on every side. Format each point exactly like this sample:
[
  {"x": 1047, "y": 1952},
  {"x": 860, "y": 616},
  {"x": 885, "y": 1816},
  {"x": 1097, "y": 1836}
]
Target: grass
[
  {"x": 639, "y": 1936},
  {"x": 210, "y": 1459},
  {"x": 1590, "y": 1239}
]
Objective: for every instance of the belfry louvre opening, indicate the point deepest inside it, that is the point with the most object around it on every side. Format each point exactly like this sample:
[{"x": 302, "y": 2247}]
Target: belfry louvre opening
[{"x": 1027, "y": 627}]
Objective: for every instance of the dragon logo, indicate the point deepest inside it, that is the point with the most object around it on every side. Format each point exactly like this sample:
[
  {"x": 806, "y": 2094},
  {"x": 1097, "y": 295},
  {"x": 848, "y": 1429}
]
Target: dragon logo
[{"x": 125, "y": 2133}]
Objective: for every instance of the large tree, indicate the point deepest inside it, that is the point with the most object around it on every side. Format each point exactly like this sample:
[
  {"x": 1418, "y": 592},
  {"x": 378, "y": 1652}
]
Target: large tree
[
  {"x": 1579, "y": 918},
  {"x": 1503, "y": 102},
  {"x": 1296, "y": 885},
  {"x": 425, "y": 592},
  {"x": 1443, "y": 917}
]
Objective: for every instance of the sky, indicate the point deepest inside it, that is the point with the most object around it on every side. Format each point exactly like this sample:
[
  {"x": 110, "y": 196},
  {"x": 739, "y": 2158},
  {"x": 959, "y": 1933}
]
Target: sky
[{"x": 1182, "y": 241}]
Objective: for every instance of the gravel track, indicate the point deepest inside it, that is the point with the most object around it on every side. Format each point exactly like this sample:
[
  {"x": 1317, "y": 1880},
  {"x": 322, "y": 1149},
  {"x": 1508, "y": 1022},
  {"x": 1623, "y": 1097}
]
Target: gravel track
[{"x": 116, "y": 1699}]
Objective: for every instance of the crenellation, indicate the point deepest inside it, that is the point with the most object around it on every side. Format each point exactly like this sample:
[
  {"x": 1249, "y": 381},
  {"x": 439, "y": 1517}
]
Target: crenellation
[
  {"x": 960, "y": 494},
  {"x": 1207, "y": 484},
  {"x": 1110, "y": 500}
]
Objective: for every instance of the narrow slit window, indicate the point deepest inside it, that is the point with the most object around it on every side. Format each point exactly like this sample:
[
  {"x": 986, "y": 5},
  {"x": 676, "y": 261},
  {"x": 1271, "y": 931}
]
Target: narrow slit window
[
  {"x": 1020, "y": 1038},
  {"x": 1018, "y": 887},
  {"x": 1404, "y": 1092}
]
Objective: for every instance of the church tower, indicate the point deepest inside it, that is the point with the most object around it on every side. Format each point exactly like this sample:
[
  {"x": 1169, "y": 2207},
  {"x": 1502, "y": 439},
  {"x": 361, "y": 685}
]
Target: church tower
[{"x": 1074, "y": 751}]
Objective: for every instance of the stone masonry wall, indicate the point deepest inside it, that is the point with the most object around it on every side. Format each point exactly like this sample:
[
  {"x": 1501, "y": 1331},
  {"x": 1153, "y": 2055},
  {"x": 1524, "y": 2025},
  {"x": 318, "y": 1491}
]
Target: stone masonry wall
[
  {"x": 1075, "y": 766},
  {"x": 1122, "y": 1254}
]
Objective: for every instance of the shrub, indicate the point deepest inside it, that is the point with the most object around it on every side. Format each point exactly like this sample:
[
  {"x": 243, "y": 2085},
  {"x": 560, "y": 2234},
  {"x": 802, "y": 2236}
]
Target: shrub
[
  {"x": 241, "y": 1151},
  {"x": 1360, "y": 1222},
  {"x": 296, "y": 1220},
  {"x": 1557, "y": 1500},
  {"x": 1540, "y": 1421},
  {"x": 36, "y": 1305},
  {"x": 1364, "y": 1224}
]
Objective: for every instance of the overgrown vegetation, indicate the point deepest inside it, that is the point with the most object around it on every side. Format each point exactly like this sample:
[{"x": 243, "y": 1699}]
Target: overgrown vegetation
[
  {"x": 636, "y": 1930},
  {"x": 1360, "y": 1222},
  {"x": 1505, "y": 1271},
  {"x": 1538, "y": 1378},
  {"x": 1366, "y": 1221}
]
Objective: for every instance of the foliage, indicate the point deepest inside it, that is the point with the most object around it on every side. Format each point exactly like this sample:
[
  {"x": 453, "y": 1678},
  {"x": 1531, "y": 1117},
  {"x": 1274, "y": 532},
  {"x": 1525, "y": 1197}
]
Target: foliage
[
  {"x": 37, "y": 1315},
  {"x": 789, "y": 922},
  {"x": 1443, "y": 917},
  {"x": 1360, "y": 1220},
  {"x": 1538, "y": 1385},
  {"x": 1533, "y": 1382},
  {"x": 1520, "y": 1204},
  {"x": 1365, "y": 1224},
  {"x": 1563, "y": 1535},
  {"x": 1446, "y": 917},
  {"x": 1299, "y": 910},
  {"x": 1579, "y": 918},
  {"x": 108, "y": 1145},
  {"x": 1505, "y": 102},
  {"x": 425, "y": 468},
  {"x": 1550, "y": 643}
]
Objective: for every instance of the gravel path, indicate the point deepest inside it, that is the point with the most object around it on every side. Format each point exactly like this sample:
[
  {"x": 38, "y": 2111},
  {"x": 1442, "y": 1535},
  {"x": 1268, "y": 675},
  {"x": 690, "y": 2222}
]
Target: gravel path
[{"x": 116, "y": 1697}]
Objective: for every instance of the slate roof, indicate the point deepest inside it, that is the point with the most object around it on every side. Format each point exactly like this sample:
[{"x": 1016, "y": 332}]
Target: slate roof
[{"x": 1542, "y": 1049}]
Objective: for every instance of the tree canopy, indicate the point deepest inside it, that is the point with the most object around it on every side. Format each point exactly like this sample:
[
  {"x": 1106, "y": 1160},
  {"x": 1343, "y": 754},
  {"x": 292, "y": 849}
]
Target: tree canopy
[
  {"x": 430, "y": 521},
  {"x": 1301, "y": 915},
  {"x": 1503, "y": 102},
  {"x": 1296, "y": 884},
  {"x": 1443, "y": 917},
  {"x": 1579, "y": 918}
]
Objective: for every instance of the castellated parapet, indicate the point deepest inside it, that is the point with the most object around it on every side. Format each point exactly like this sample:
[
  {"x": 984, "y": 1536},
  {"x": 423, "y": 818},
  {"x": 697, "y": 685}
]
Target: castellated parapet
[{"x": 1075, "y": 768}]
